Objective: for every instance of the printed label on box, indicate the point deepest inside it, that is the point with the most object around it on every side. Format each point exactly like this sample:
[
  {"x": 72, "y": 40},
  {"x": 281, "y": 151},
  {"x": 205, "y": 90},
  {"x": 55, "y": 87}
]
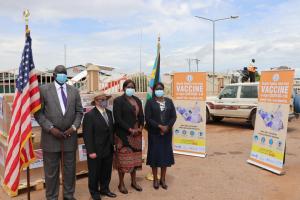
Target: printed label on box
[
  {"x": 39, "y": 159},
  {"x": 82, "y": 152}
]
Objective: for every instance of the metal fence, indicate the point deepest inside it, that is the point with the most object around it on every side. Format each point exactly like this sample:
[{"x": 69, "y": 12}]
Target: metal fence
[{"x": 8, "y": 80}]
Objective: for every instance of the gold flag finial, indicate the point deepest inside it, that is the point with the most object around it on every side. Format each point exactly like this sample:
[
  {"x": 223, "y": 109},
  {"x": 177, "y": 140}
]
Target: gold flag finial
[{"x": 26, "y": 15}]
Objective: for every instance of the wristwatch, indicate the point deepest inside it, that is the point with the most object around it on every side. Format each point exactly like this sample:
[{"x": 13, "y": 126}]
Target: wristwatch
[{"x": 74, "y": 127}]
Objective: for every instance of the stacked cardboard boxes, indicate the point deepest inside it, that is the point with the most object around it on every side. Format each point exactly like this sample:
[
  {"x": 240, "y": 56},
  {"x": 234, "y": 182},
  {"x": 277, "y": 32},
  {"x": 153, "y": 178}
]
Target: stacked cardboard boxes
[{"x": 37, "y": 171}]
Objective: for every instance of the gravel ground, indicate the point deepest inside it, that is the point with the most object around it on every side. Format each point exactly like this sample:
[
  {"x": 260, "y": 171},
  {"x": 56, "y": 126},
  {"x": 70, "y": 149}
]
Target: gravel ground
[{"x": 223, "y": 174}]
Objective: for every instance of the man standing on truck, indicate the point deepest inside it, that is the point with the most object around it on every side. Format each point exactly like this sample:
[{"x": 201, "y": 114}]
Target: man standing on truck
[{"x": 252, "y": 71}]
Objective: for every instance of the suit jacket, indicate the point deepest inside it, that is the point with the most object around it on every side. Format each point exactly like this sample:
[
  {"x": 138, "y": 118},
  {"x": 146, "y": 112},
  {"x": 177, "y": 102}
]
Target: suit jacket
[
  {"x": 125, "y": 116},
  {"x": 51, "y": 115},
  {"x": 97, "y": 134},
  {"x": 153, "y": 115}
]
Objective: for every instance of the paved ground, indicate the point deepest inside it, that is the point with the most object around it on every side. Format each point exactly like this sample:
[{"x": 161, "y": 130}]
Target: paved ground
[{"x": 223, "y": 175}]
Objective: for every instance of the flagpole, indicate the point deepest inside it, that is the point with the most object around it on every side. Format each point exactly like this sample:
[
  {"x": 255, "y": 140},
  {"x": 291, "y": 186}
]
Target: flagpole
[
  {"x": 26, "y": 15},
  {"x": 150, "y": 176}
]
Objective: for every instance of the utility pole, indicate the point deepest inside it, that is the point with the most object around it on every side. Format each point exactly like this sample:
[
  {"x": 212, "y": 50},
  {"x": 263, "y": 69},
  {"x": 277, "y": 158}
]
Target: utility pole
[
  {"x": 65, "y": 54},
  {"x": 189, "y": 62},
  {"x": 140, "y": 82},
  {"x": 197, "y": 63}
]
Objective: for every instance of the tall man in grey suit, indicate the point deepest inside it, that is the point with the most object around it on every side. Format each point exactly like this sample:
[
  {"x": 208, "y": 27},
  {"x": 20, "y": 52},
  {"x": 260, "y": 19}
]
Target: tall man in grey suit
[{"x": 60, "y": 117}]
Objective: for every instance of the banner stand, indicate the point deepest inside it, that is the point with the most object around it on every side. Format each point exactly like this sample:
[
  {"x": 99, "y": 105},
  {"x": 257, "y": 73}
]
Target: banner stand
[
  {"x": 271, "y": 122},
  {"x": 190, "y": 154},
  {"x": 278, "y": 172},
  {"x": 189, "y": 97}
]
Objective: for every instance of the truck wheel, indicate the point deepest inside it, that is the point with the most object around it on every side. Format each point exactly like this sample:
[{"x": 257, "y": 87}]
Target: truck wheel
[
  {"x": 217, "y": 119},
  {"x": 252, "y": 118},
  {"x": 207, "y": 116}
]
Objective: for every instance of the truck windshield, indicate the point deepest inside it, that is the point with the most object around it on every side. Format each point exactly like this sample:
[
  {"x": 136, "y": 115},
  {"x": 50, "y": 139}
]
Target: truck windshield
[{"x": 229, "y": 92}]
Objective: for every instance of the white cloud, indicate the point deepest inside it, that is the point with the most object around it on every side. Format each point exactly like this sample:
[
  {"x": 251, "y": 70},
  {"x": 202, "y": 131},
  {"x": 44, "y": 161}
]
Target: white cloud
[{"x": 272, "y": 38}]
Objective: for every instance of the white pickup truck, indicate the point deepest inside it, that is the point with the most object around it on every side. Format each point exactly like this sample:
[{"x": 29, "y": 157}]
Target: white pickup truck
[{"x": 238, "y": 100}]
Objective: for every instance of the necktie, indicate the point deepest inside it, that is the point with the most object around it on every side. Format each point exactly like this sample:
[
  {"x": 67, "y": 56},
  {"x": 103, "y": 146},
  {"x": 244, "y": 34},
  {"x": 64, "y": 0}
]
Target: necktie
[
  {"x": 105, "y": 117},
  {"x": 63, "y": 95}
]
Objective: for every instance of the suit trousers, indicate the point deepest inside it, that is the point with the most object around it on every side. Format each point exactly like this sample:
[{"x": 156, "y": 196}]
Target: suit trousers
[
  {"x": 100, "y": 170},
  {"x": 252, "y": 77},
  {"x": 52, "y": 171}
]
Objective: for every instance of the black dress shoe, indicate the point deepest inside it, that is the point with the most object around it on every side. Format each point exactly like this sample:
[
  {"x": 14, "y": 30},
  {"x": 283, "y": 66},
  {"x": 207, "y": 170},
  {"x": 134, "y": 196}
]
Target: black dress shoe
[
  {"x": 96, "y": 198},
  {"x": 163, "y": 185},
  {"x": 137, "y": 187},
  {"x": 69, "y": 198},
  {"x": 156, "y": 184},
  {"x": 109, "y": 194},
  {"x": 123, "y": 190}
]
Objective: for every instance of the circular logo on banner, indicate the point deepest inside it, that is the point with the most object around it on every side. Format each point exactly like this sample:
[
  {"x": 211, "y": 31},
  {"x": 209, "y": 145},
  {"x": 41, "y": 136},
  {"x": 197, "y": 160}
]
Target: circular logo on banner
[
  {"x": 192, "y": 133},
  {"x": 271, "y": 141},
  {"x": 276, "y": 77},
  {"x": 189, "y": 78}
]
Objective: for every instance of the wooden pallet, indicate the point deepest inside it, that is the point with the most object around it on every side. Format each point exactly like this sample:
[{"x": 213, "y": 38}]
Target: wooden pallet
[
  {"x": 34, "y": 186},
  {"x": 81, "y": 174}
]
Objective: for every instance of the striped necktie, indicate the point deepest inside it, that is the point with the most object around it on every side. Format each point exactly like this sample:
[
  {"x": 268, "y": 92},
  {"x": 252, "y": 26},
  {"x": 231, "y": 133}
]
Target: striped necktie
[{"x": 104, "y": 114}]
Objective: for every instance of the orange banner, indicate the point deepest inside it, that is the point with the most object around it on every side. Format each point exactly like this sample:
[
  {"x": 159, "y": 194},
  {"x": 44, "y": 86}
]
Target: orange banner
[
  {"x": 189, "y": 86},
  {"x": 271, "y": 122},
  {"x": 276, "y": 86}
]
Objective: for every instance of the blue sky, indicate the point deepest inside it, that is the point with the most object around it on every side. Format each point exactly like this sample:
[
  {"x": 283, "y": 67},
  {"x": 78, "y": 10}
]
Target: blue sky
[{"x": 109, "y": 33}]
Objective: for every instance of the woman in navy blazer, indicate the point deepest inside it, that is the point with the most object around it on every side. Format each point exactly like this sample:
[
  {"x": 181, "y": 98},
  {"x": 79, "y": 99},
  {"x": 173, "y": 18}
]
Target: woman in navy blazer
[{"x": 160, "y": 117}]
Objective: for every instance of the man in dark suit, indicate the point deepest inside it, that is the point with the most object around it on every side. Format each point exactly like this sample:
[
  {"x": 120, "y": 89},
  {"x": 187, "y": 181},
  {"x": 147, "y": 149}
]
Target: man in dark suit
[
  {"x": 98, "y": 135},
  {"x": 59, "y": 118}
]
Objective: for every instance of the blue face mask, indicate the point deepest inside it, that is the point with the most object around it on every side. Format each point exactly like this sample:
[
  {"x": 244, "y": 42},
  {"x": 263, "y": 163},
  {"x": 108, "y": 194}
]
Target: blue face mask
[
  {"x": 159, "y": 93},
  {"x": 130, "y": 91},
  {"x": 61, "y": 78}
]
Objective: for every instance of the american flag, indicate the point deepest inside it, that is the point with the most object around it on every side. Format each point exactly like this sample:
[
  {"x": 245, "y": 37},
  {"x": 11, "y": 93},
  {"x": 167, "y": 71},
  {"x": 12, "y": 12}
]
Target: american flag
[{"x": 26, "y": 102}]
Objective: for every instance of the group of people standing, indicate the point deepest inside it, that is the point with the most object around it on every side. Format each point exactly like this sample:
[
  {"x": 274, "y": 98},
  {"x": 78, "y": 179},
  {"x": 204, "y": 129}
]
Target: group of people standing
[{"x": 111, "y": 138}]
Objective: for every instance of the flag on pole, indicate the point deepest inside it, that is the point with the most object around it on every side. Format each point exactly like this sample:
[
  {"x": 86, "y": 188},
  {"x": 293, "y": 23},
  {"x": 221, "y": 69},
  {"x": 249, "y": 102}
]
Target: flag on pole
[
  {"x": 155, "y": 74},
  {"x": 26, "y": 102}
]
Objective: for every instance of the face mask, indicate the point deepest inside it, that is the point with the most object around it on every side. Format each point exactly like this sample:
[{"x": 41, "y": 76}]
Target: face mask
[
  {"x": 103, "y": 104},
  {"x": 159, "y": 93},
  {"x": 61, "y": 78},
  {"x": 129, "y": 91}
]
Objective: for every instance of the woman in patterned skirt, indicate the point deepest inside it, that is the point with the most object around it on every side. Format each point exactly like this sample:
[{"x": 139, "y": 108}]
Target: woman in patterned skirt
[{"x": 129, "y": 122}]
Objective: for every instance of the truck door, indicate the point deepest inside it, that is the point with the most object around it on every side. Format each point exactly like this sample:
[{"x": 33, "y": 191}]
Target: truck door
[
  {"x": 248, "y": 100},
  {"x": 226, "y": 103}
]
